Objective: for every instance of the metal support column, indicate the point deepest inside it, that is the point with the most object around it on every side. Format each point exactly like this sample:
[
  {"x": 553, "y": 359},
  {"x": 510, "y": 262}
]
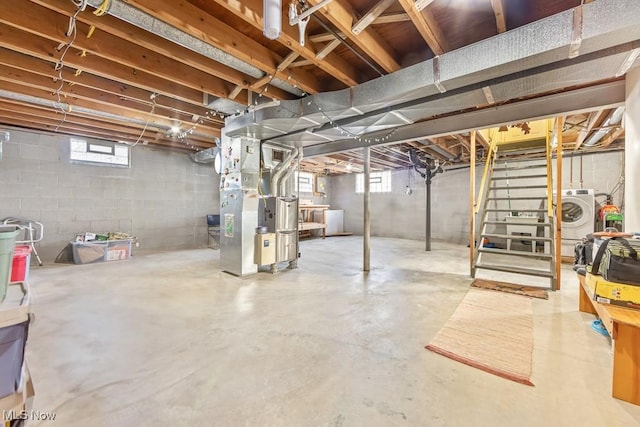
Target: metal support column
[
  {"x": 472, "y": 202},
  {"x": 366, "y": 262},
  {"x": 427, "y": 183}
]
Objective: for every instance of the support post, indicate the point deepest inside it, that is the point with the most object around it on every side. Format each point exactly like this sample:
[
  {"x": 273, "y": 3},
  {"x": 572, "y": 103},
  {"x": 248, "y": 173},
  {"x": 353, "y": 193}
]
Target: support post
[
  {"x": 427, "y": 196},
  {"x": 472, "y": 202},
  {"x": 558, "y": 236},
  {"x": 366, "y": 255}
]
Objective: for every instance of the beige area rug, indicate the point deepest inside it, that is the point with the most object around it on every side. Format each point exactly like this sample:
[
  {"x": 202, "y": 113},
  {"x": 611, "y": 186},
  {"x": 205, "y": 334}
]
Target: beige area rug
[
  {"x": 530, "y": 291},
  {"x": 492, "y": 331}
]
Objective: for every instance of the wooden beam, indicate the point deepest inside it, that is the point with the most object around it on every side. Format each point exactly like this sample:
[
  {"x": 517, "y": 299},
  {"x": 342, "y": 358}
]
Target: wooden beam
[
  {"x": 342, "y": 16},
  {"x": 79, "y": 123},
  {"x": 373, "y": 13},
  {"x": 148, "y": 40},
  {"x": 612, "y": 136},
  {"x": 594, "y": 117},
  {"x": 324, "y": 37},
  {"x": 328, "y": 48},
  {"x": 36, "y": 66},
  {"x": 428, "y": 31},
  {"x": 50, "y": 125},
  {"x": 480, "y": 138},
  {"x": 335, "y": 66},
  {"x": 53, "y": 26},
  {"x": 558, "y": 213},
  {"x": 427, "y": 150},
  {"x": 391, "y": 18},
  {"x": 104, "y": 107},
  {"x": 498, "y": 11},
  {"x": 41, "y": 48},
  {"x": 193, "y": 20}
]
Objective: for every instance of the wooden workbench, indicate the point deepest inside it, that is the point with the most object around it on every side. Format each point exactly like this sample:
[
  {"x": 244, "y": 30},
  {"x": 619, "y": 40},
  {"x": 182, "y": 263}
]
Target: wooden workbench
[
  {"x": 623, "y": 325},
  {"x": 306, "y": 218}
]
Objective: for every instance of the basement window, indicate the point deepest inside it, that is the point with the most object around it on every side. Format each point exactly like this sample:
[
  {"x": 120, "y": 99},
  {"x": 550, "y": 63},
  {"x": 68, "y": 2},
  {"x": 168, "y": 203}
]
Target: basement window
[
  {"x": 379, "y": 182},
  {"x": 102, "y": 153},
  {"x": 304, "y": 182}
]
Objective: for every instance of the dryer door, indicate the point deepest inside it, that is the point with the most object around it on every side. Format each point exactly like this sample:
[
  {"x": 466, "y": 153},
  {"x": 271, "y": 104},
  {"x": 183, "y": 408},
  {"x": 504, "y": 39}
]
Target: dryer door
[{"x": 576, "y": 212}]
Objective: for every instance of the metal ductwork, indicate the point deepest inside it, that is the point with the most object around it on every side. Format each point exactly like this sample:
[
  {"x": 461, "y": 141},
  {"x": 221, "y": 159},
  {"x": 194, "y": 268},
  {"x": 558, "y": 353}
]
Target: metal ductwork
[
  {"x": 524, "y": 62},
  {"x": 205, "y": 156},
  {"x": 138, "y": 18},
  {"x": 613, "y": 120}
]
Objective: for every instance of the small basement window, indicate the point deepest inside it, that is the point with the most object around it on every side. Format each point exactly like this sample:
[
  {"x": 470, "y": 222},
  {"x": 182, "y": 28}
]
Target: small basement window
[
  {"x": 103, "y": 153},
  {"x": 379, "y": 182},
  {"x": 304, "y": 182}
]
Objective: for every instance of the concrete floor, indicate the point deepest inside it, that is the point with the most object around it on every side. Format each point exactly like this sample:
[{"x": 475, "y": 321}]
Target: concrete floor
[{"x": 166, "y": 339}]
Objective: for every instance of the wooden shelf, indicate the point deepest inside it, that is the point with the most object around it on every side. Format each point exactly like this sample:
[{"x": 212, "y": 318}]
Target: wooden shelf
[
  {"x": 307, "y": 224},
  {"x": 623, "y": 326}
]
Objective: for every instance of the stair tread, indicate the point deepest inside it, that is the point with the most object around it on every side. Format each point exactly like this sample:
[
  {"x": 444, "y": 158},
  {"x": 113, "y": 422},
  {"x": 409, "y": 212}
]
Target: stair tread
[
  {"x": 518, "y": 237},
  {"x": 519, "y": 210},
  {"x": 539, "y": 224},
  {"x": 494, "y": 178},
  {"x": 501, "y": 169},
  {"x": 519, "y": 198},
  {"x": 518, "y": 187},
  {"x": 515, "y": 253},
  {"x": 517, "y": 270}
]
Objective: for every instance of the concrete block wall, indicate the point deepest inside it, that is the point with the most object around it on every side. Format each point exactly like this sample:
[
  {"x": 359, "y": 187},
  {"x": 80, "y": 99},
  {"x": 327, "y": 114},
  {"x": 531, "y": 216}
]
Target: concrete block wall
[
  {"x": 162, "y": 199},
  {"x": 397, "y": 214}
]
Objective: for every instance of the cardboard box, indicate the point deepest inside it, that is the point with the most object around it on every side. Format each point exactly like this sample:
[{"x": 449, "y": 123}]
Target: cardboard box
[{"x": 613, "y": 293}]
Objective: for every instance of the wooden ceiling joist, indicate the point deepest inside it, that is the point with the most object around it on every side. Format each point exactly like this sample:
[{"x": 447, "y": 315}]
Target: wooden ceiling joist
[
  {"x": 498, "y": 11},
  {"x": 426, "y": 26},
  {"x": 193, "y": 20},
  {"x": 373, "y": 13},
  {"x": 53, "y": 26},
  {"x": 38, "y": 47},
  {"x": 342, "y": 16},
  {"x": 251, "y": 12},
  {"x": 594, "y": 117},
  {"x": 33, "y": 65},
  {"x": 391, "y": 18},
  {"x": 125, "y": 31}
]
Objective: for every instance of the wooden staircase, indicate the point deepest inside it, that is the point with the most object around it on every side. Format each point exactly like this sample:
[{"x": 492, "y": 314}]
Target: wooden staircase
[{"x": 519, "y": 198}]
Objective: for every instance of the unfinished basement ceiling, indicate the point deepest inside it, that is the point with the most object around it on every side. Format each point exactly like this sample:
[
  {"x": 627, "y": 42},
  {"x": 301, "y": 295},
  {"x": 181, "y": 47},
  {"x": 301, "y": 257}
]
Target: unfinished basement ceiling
[{"x": 145, "y": 66}]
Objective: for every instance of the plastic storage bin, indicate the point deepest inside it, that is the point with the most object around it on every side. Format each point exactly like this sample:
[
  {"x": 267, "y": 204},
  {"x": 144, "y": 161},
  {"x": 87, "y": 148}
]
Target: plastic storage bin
[
  {"x": 101, "y": 251},
  {"x": 118, "y": 250},
  {"x": 89, "y": 252},
  {"x": 8, "y": 235},
  {"x": 20, "y": 265},
  {"x": 14, "y": 327}
]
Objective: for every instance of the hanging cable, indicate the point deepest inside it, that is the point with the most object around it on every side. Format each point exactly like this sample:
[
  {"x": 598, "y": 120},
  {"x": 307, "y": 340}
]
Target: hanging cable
[
  {"x": 144, "y": 129},
  {"x": 64, "y": 47}
]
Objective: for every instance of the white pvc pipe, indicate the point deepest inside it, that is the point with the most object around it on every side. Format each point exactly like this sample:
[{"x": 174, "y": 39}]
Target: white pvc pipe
[{"x": 272, "y": 18}]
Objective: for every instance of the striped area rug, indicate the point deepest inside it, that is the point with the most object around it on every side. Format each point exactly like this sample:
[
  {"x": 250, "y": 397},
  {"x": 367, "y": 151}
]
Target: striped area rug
[{"x": 491, "y": 331}]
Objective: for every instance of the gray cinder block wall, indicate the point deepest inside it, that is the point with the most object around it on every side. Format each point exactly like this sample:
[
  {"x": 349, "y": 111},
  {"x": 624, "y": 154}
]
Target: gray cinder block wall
[
  {"x": 397, "y": 214},
  {"x": 162, "y": 199}
]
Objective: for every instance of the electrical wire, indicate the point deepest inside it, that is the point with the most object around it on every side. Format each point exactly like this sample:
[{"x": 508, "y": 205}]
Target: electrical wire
[
  {"x": 144, "y": 129},
  {"x": 73, "y": 33}
]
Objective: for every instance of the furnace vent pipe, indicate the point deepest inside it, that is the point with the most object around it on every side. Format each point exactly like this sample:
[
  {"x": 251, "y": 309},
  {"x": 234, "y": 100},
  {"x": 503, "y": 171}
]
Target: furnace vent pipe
[{"x": 614, "y": 119}]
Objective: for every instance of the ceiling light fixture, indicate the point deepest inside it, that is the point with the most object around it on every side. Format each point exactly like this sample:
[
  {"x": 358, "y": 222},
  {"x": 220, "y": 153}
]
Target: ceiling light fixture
[{"x": 175, "y": 129}]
